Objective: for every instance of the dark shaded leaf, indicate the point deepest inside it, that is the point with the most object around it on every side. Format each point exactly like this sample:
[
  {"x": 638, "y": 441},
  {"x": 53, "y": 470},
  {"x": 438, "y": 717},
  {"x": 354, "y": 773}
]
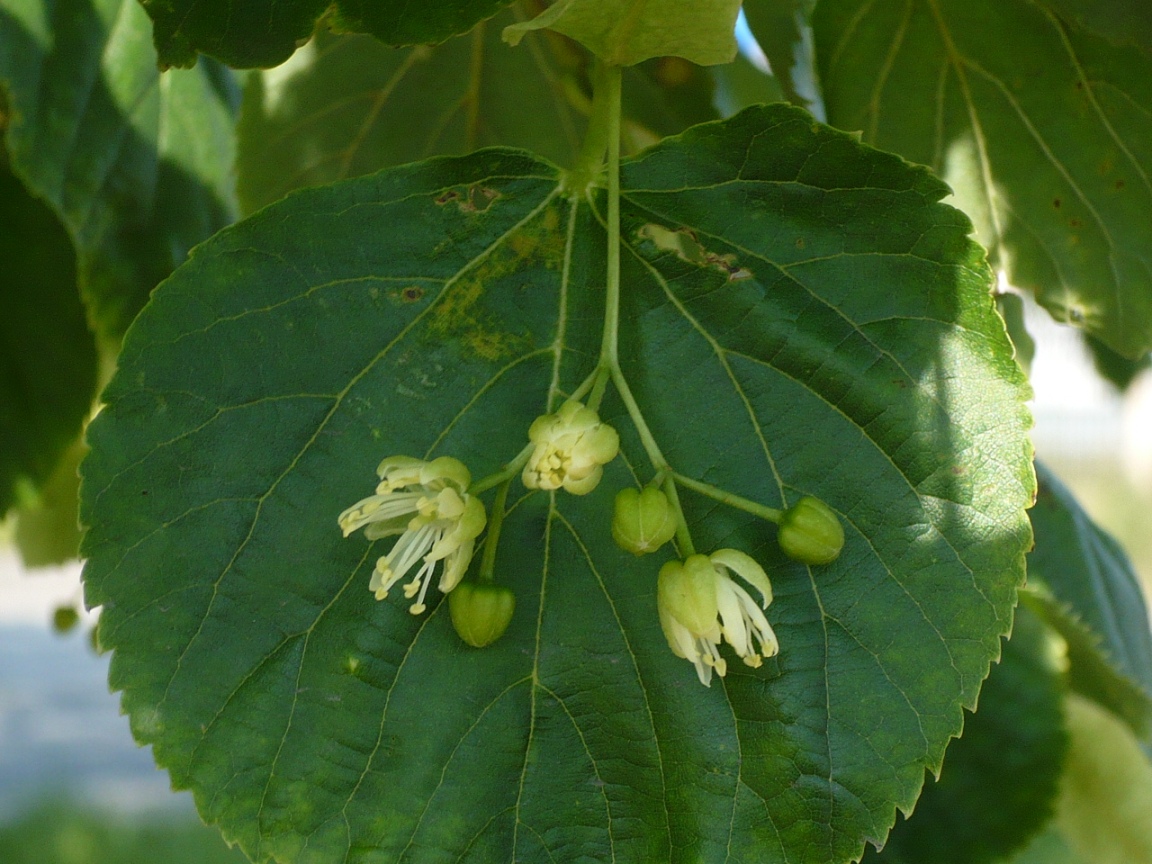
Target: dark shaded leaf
[
  {"x": 1000, "y": 780},
  {"x": 47, "y": 354},
  {"x": 1118, "y": 370},
  {"x": 347, "y": 105},
  {"x": 265, "y": 32},
  {"x": 1089, "y": 592}
]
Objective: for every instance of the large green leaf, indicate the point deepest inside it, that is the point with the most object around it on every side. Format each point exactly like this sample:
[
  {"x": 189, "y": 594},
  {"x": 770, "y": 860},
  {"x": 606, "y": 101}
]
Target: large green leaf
[
  {"x": 1085, "y": 584},
  {"x": 833, "y": 335},
  {"x": 344, "y": 106},
  {"x": 266, "y": 32},
  {"x": 1000, "y": 780},
  {"x": 1043, "y": 130},
  {"x": 137, "y": 165},
  {"x": 47, "y": 355}
]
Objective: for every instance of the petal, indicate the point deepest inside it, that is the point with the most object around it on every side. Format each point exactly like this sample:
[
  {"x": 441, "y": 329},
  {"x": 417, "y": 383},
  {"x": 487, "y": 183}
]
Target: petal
[
  {"x": 446, "y": 471},
  {"x": 731, "y": 616},
  {"x": 747, "y": 569},
  {"x": 400, "y": 470},
  {"x": 584, "y": 485},
  {"x": 456, "y": 565}
]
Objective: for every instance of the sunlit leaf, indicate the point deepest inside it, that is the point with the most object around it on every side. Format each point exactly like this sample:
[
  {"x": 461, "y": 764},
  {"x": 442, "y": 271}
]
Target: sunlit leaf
[
  {"x": 624, "y": 32},
  {"x": 1043, "y": 130},
  {"x": 136, "y": 165},
  {"x": 818, "y": 299}
]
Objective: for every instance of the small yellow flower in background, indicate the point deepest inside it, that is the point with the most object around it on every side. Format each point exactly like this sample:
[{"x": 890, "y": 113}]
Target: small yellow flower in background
[
  {"x": 700, "y": 604},
  {"x": 427, "y": 504},
  {"x": 572, "y": 445}
]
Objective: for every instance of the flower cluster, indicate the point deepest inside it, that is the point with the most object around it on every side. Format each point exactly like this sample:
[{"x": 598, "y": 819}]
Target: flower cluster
[
  {"x": 571, "y": 448},
  {"x": 428, "y": 505},
  {"x": 699, "y": 603}
]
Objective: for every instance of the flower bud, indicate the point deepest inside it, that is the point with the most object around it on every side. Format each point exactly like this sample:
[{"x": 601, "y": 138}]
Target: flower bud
[
  {"x": 481, "y": 611},
  {"x": 810, "y": 532},
  {"x": 642, "y": 520}
]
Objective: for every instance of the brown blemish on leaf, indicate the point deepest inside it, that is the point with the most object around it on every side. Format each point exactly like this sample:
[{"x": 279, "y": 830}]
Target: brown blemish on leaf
[
  {"x": 1075, "y": 223},
  {"x": 473, "y": 199},
  {"x": 1119, "y": 184},
  {"x": 412, "y": 293},
  {"x": 1056, "y": 203},
  {"x": 686, "y": 246}
]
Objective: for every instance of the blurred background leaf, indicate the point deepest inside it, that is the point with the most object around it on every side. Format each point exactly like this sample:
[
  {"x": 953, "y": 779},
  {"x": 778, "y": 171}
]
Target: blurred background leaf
[
  {"x": 136, "y": 165},
  {"x": 1043, "y": 130},
  {"x": 47, "y": 354},
  {"x": 1080, "y": 578}
]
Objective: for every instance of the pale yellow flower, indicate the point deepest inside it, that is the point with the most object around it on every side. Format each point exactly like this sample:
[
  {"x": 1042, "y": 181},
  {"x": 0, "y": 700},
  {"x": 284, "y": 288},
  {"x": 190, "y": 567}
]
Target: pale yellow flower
[
  {"x": 572, "y": 446},
  {"x": 700, "y": 604},
  {"x": 428, "y": 505}
]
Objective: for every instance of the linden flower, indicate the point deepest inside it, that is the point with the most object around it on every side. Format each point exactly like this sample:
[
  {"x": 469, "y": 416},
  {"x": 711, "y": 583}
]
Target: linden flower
[
  {"x": 437, "y": 520},
  {"x": 699, "y": 603},
  {"x": 572, "y": 445}
]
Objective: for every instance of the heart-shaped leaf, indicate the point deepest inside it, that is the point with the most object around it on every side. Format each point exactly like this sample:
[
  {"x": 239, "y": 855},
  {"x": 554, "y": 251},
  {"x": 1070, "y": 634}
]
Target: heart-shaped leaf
[{"x": 799, "y": 316}]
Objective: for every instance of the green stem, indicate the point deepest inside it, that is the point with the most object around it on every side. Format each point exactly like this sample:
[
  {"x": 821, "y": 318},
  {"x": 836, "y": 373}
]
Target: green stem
[
  {"x": 596, "y": 138},
  {"x": 506, "y": 473},
  {"x": 603, "y": 373},
  {"x": 608, "y": 347},
  {"x": 769, "y": 513},
  {"x": 488, "y": 562}
]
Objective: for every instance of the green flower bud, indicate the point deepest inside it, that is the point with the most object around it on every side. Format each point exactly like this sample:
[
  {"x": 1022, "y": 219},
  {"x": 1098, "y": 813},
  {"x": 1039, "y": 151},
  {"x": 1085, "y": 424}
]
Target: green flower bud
[
  {"x": 810, "y": 532},
  {"x": 481, "y": 611},
  {"x": 642, "y": 520}
]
